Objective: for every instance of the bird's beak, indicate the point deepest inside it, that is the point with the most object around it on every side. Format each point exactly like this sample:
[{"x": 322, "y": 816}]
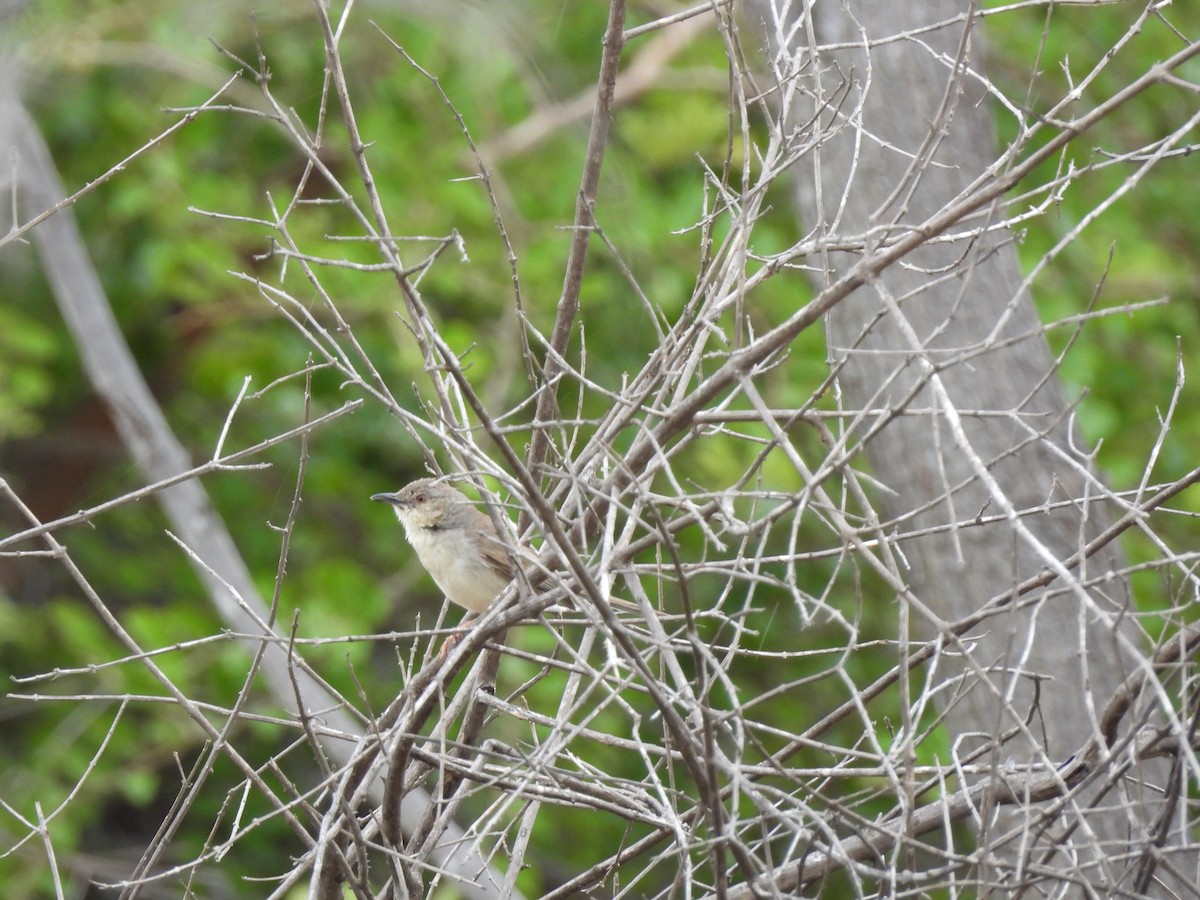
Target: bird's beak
[{"x": 385, "y": 498}]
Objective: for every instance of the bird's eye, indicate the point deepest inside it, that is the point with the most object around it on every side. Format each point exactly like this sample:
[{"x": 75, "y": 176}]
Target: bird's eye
[{"x": 420, "y": 498}]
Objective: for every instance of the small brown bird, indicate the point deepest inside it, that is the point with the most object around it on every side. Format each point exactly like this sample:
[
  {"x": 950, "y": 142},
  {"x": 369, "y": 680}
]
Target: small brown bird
[
  {"x": 459, "y": 547},
  {"x": 456, "y": 543}
]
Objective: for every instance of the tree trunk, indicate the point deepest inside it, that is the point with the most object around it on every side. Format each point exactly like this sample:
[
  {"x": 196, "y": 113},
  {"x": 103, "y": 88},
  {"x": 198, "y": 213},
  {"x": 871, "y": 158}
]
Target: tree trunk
[{"x": 950, "y": 342}]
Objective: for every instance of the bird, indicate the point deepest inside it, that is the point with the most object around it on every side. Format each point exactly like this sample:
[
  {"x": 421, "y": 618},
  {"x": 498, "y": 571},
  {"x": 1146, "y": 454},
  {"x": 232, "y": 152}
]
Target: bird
[
  {"x": 460, "y": 549},
  {"x": 455, "y": 542}
]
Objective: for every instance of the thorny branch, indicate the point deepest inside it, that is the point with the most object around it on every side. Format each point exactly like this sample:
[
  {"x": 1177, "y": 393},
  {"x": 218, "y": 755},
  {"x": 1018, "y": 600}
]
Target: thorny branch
[{"x": 771, "y": 722}]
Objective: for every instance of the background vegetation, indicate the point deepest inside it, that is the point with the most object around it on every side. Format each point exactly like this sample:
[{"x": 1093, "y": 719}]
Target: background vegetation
[{"x": 101, "y": 79}]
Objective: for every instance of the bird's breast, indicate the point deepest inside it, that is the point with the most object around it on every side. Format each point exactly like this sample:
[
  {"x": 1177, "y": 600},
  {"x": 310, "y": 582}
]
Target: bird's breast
[{"x": 455, "y": 565}]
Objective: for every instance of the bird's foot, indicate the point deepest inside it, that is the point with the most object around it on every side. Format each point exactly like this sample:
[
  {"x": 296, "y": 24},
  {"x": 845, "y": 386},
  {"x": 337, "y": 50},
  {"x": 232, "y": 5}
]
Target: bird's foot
[{"x": 456, "y": 635}]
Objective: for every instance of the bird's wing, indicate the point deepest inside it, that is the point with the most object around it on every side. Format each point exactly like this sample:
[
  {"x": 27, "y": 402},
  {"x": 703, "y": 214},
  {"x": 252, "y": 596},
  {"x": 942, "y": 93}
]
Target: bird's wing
[
  {"x": 495, "y": 554},
  {"x": 498, "y": 558}
]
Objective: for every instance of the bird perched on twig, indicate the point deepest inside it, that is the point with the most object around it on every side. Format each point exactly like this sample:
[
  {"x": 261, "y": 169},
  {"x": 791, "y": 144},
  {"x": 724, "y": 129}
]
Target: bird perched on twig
[{"x": 456, "y": 543}]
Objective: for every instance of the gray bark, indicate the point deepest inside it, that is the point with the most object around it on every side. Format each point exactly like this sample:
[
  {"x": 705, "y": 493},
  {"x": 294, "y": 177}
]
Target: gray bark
[{"x": 908, "y": 138}]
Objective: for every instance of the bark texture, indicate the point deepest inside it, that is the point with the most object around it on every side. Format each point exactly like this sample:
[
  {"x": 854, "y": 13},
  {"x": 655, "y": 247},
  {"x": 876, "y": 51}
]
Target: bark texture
[{"x": 908, "y": 127}]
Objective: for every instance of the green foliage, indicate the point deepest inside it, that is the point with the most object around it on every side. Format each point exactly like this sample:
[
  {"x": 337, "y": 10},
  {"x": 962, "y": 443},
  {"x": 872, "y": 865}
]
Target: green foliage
[
  {"x": 1139, "y": 250},
  {"x": 198, "y": 332},
  {"x": 26, "y": 348}
]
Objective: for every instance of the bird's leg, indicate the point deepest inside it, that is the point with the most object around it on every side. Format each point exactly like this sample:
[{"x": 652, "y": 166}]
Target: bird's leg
[{"x": 457, "y": 635}]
